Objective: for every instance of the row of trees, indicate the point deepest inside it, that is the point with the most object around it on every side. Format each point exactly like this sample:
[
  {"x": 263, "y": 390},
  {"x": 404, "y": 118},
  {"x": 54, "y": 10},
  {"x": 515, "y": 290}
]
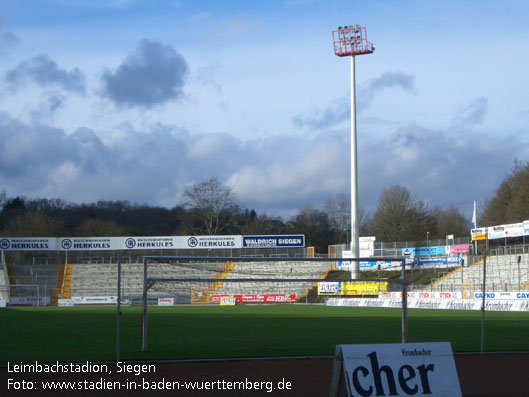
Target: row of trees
[
  {"x": 399, "y": 217},
  {"x": 210, "y": 207},
  {"x": 510, "y": 204}
]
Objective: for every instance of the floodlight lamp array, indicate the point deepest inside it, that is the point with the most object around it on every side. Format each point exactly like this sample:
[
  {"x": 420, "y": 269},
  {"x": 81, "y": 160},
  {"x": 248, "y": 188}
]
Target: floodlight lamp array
[{"x": 350, "y": 40}]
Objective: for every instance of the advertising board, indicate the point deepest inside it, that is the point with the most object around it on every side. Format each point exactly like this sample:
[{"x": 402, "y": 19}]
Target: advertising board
[
  {"x": 403, "y": 369},
  {"x": 423, "y": 295},
  {"x": 375, "y": 265},
  {"x": 329, "y": 288},
  {"x": 457, "y": 249},
  {"x": 504, "y": 305},
  {"x": 29, "y": 300},
  {"x": 257, "y": 298},
  {"x": 424, "y": 251},
  {"x": 228, "y": 301},
  {"x": 274, "y": 241},
  {"x": 94, "y": 300},
  {"x": 351, "y": 288},
  {"x": 503, "y": 295},
  {"x": 165, "y": 301},
  {"x": 65, "y": 303},
  {"x": 28, "y": 243}
]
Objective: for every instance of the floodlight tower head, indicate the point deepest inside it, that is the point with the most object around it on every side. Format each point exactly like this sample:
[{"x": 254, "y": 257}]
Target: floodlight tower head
[{"x": 351, "y": 40}]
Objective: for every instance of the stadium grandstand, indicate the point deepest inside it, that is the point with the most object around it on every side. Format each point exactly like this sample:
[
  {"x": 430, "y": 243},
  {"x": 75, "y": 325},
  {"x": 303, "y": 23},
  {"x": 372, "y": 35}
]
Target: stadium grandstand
[{"x": 87, "y": 269}]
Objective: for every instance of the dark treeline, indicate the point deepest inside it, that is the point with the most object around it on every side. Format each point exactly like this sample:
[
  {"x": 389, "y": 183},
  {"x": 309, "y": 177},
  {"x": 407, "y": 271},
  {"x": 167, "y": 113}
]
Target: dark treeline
[{"x": 210, "y": 208}]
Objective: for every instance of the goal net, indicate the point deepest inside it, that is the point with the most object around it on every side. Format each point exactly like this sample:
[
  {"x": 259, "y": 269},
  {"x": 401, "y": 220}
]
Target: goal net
[
  {"x": 215, "y": 280},
  {"x": 251, "y": 280},
  {"x": 22, "y": 295}
]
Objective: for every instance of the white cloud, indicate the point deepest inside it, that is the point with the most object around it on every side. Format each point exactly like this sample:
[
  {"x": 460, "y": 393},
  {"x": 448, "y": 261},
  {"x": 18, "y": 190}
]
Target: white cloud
[{"x": 278, "y": 175}]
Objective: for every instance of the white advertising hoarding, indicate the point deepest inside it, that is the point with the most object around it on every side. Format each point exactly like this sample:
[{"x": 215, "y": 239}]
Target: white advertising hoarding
[{"x": 395, "y": 369}]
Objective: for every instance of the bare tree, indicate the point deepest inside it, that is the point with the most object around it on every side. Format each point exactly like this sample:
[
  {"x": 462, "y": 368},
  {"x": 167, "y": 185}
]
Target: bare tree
[
  {"x": 314, "y": 224},
  {"x": 450, "y": 221},
  {"x": 338, "y": 209},
  {"x": 208, "y": 200},
  {"x": 398, "y": 217}
]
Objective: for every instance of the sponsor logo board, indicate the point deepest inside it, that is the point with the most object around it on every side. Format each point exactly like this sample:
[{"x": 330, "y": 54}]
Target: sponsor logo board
[
  {"x": 274, "y": 241},
  {"x": 257, "y": 298},
  {"x": 165, "y": 301},
  {"x": 403, "y": 369}
]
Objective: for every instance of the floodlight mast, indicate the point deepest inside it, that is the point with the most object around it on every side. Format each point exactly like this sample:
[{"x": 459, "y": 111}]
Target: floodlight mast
[{"x": 351, "y": 41}]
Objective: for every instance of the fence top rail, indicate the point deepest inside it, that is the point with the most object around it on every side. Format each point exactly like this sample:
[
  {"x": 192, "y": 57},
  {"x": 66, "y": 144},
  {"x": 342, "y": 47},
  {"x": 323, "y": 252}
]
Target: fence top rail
[
  {"x": 260, "y": 259},
  {"x": 274, "y": 280}
]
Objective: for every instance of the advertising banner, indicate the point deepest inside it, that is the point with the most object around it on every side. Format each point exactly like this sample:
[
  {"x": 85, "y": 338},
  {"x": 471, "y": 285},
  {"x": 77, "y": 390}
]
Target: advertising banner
[
  {"x": 514, "y": 230},
  {"x": 479, "y": 230},
  {"x": 479, "y": 237},
  {"x": 89, "y": 243},
  {"x": 329, "y": 288},
  {"x": 351, "y": 288},
  {"x": 457, "y": 249},
  {"x": 29, "y": 300},
  {"x": 144, "y": 243},
  {"x": 422, "y": 295},
  {"x": 424, "y": 251},
  {"x": 497, "y": 232},
  {"x": 125, "y": 243},
  {"x": 505, "y": 305},
  {"x": 359, "y": 288},
  {"x": 209, "y": 242},
  {"x": 395, "y": 369},
  {"x": 65, "y": 303},
  {"x": 228, "y": 301},
  {"x": 502, "y": 231},
  {"x": 156, "y": 242},
  {"x": 28, "y": 244},
  {"x": 435, "y": 261},
  {"x": 165, "y": 301},
  {"x": 275, "y": 241},
  {"x": 94, "y": 300},
  {"x": 372, "y": 265},
  {"x": 257, "y": 298},
  {"x": 503, "y": 295}
]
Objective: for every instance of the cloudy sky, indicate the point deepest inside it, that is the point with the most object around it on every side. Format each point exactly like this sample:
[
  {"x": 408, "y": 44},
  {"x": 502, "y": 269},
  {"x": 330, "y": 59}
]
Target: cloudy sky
[{"x": 138, "y": 100}]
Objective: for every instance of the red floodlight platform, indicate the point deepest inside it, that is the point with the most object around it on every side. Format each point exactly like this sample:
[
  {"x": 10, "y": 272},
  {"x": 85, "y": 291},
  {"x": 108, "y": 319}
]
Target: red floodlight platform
[{"x": 351, "y": 40}]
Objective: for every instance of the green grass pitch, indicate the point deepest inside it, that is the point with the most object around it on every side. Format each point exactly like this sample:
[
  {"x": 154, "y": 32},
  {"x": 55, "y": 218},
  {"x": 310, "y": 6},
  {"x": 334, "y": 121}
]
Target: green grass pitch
[{"x": 81, "y": 334}]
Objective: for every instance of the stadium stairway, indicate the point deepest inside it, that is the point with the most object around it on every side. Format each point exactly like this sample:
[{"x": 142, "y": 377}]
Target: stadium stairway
[
  {"x": 322, "y": 276},
  {"x": 64, "y": 282},
  {"x": 215, "y": 286},
  {"x": 276, "y": 270},
  {"x": 11, "y": 278}
]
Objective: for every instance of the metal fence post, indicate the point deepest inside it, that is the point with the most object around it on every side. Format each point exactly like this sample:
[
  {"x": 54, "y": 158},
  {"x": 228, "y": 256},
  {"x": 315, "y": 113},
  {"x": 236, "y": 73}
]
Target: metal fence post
[
  {"x": 144, "y": 309},
  {"x": 483, "y": 302},
  {"x": 404, "y": 304},
  {"x": 118, "y": 320}
]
